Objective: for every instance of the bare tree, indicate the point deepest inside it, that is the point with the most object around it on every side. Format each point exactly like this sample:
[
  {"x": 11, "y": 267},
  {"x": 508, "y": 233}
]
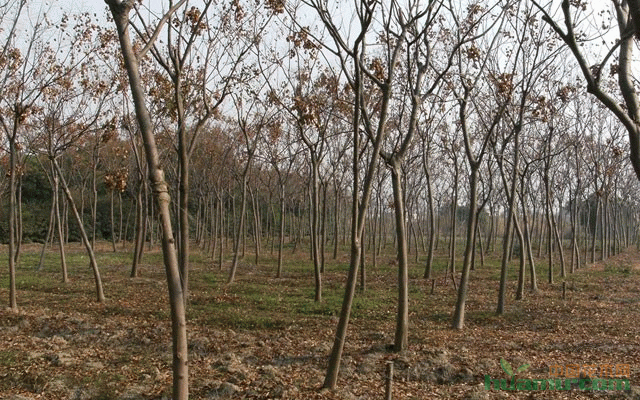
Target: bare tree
[
  {"x": 597, "y": 73},
  {"x": 120, "y": 11},
  {"x": 470, "y": 74}
]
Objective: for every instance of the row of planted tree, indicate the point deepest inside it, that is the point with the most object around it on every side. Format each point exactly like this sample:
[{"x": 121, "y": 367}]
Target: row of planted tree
[
  {"x": 406, "y": 124},
  {"x": 278, "y": 207}
]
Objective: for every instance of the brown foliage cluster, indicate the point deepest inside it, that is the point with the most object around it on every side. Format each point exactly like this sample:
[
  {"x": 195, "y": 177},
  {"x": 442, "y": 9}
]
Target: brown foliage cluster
[
  {"x": 277, "y": 6},
  {"x": 117, "y": 180},
  {"x": 377, "y": 68},
  {"x": 194, "y": 16},
  {"x": 306, "y": 110},
  {"x": 565, "y": 92},
  {"x": 504, "y": 85},
  {"x": 11, "y": 59},
  {"x": 302, "y": 39}
]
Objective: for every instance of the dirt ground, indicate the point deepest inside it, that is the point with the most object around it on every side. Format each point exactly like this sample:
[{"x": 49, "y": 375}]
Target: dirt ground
[{"x": 63, "y": 345}]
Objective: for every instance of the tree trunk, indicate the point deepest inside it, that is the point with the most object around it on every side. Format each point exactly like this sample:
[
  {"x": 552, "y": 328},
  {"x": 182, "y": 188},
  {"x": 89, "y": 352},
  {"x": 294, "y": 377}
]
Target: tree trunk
[
  {"x": 240, "y": 230},
  {"x": 221, "y": 233},
  {"x": 83, "y": 234},
  {"x": 120, "y": 12},
  {"x": 523, "y": 264},
  {"x": 458, "y": 316},
  {"x": 336, "y": 212},
  {"x": 18, "y": 247},
  {"x": 454, "y": 220},
  {"x": 120, "y": 216},
  {"x": 315, "y": 219},
  {"x": 527, "y": 240},
  {"x": 139, "y": 238},
  {"x": 50, "y": 231},
  {"x": 112, "y": 216},
  {"x": 506, "y": 243},
  {"x": 94, "y": 192},
  {"x": 13, "y": 303},
  {"x": 281, "y": 235},
  {"x": 402, "y": 317},
  {"x": 59, "y": 224},
  {"x": 256, "y": 227},
  {"x": 323, "y": 227}
]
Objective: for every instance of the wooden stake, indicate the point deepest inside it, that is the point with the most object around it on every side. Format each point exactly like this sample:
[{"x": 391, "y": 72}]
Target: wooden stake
[{"x": 388, "y": 381}]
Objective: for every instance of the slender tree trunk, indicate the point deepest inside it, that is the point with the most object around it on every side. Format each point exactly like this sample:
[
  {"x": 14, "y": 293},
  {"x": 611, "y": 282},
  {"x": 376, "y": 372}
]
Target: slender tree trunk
[
  {"x": 523, "y": 264},
  {"x": 221, "y": 232},
  {"x": 558, "y": 239},
  {"x": 83, "y": 234},
  {"x": 112, "y": 216},
  {"x": 281, "y": 235},
  {"x": 402, "y": 317},
  {"x": 336, "y": 212},
  {"x": 13, "y": 303},
  {"x": 548, "y": 212},
  {"x": 527, "y": 240},
  {"x": 120, "y": 216},
  {"x": 458, "y": 315},
  {"x": 59, "y": 225},
  {"x": 120, "y": 12},
  {"x": 240, "y": 229},
  {"x": 323, "y": 227},
  {"x": 50, "y": 232},
  {"x": 510, "y": 220},
  {"x": 359, "y": 206},
  {"x": 94, "y": 193},
  {"x": 138, "y": 243},
  {"x": 454, "y": 220},
  {"x": 315, "y": 219},
  {"x": 18, "y": 248},
  {"x": 596, "y": 222},
  {"x": 256, "y": 227}
]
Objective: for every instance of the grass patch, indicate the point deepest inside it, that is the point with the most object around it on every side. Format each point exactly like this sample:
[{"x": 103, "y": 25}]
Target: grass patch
[{"x": 9, "y": 358}]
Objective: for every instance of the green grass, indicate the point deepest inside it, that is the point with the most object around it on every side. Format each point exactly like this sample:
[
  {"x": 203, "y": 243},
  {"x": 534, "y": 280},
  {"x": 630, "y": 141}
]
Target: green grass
[
  {"x": 9, "y": 358},
  {"x": 257, "y": 300}
]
